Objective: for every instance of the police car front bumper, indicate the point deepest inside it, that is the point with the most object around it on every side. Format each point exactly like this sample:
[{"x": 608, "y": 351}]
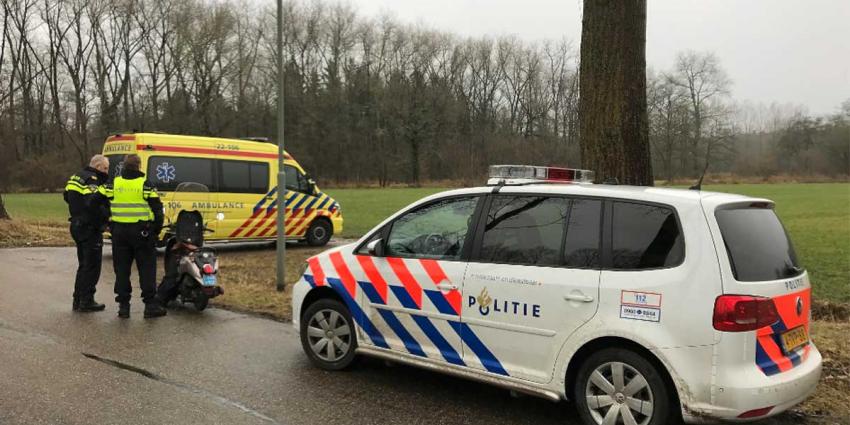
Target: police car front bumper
[{"x": 741, "y": 391}]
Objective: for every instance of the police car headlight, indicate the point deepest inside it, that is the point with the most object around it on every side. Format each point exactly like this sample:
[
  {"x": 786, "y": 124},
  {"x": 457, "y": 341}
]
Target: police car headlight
[{"x": 302, "y": 268}]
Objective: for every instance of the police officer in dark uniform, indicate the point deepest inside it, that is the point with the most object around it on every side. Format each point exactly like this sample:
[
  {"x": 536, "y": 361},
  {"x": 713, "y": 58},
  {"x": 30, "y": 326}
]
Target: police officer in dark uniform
[
  {"x": 88, "y": 221},
  {"x": 136, "y": 222}
]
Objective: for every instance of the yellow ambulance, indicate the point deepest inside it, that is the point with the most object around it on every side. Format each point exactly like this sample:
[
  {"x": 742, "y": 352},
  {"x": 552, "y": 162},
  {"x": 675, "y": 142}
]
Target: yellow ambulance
[{"x": 242, "y": 179}]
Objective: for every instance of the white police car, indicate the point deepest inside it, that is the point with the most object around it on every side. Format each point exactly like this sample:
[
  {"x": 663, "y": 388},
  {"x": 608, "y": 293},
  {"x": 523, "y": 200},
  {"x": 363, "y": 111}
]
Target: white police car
[{"x": 635, "y": 302}]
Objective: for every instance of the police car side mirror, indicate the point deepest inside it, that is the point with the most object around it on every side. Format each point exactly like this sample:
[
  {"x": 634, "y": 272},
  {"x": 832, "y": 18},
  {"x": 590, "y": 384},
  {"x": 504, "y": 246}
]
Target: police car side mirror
[{"x": 376, "y": 248}]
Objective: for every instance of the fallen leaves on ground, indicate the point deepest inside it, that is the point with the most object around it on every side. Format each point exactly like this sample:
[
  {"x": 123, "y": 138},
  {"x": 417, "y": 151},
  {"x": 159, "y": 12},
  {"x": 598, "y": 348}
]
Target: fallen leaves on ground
[{"x": 26, "y": 233}]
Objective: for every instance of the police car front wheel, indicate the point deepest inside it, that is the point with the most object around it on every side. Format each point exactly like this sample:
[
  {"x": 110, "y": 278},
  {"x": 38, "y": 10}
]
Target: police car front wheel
[
  {"x": 327, "y": 335},
  {"x": 619, "y": 386}
]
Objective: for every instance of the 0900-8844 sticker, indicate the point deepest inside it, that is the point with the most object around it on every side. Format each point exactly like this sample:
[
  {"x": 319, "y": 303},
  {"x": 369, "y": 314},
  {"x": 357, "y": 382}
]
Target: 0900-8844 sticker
[{"x": 645, "y": 306}]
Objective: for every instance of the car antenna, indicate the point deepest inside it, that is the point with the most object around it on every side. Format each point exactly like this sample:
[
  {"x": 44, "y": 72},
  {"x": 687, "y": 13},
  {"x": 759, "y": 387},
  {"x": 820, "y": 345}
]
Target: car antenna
[
  {"x": 498, "y": 186},
  {"x": 698, "y": 186}
]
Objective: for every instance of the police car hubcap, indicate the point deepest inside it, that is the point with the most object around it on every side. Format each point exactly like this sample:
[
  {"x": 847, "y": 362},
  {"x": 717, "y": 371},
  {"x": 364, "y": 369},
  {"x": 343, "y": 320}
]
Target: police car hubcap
[
  {"x": 618, "y": 394},
  {"x": 329, "y": 335}
]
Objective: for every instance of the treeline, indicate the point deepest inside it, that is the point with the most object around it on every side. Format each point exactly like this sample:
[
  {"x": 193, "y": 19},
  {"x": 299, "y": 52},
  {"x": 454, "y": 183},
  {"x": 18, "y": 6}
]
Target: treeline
[
  {"x": 368, "y": 100},
  {"x": 696, "y": 125}
]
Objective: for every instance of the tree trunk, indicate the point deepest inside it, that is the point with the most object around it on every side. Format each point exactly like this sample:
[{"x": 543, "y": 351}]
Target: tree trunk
[
  {"x": 614, "y": 133},
  {"x": 4, "y": 215}
]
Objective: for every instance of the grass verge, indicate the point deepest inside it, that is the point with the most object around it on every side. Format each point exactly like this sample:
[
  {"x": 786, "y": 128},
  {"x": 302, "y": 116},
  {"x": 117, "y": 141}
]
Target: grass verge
[
  {"x": 248, "y": 278},
  {"x": 832, "y": 398},
  {"x": 33, "y": 233}
]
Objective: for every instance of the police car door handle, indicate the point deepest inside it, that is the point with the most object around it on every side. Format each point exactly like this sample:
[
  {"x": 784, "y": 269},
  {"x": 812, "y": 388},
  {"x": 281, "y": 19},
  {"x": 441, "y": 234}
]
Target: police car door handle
[
  {"x": 446, "y": 287},
  {"x": 578, "y": 297}
]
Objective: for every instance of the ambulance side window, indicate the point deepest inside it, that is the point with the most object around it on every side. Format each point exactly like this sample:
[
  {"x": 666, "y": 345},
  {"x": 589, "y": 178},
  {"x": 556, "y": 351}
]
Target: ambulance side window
[
  {"x": 295, "y": 180},
  {"x": 166, "y": 172},
  {"x": 243, "y": 176},
  {"x": 436, "y": 231},
  {"x": 116, "y": 164}
]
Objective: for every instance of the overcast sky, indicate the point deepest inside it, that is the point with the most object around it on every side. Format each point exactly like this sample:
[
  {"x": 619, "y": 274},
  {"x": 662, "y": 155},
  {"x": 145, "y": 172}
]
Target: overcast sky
[{"x": 784, "y": 51}]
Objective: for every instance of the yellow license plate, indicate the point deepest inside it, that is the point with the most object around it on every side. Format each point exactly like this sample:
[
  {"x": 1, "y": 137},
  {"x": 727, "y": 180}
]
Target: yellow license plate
[{"x": 795, "y": 338}]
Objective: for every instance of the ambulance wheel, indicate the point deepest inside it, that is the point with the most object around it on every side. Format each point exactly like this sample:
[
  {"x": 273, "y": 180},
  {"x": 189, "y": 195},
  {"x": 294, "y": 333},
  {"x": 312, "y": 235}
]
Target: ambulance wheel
[
  {"x": 319, "y": 233},
  {"x": 327, "y": 335},
  {"x": 616, "y": 385}
]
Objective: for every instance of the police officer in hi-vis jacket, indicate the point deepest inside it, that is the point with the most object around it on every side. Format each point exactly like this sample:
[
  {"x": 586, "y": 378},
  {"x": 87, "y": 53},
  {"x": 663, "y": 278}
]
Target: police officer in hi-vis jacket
[
  {"x": 88, "y": 217},
  {"x": 136, "y": 221}
]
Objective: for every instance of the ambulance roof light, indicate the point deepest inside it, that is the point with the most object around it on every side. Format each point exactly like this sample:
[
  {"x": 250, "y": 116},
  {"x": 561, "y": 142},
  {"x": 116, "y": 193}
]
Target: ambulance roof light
[{"x": 531, "y": 174}]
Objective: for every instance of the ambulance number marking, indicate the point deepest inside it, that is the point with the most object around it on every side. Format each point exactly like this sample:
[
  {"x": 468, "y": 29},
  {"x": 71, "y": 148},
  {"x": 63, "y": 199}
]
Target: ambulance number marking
[{"x": 226, "y": 147}]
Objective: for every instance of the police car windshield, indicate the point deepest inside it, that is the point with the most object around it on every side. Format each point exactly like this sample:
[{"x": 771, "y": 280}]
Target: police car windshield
[{"x": 758, "y": 247}]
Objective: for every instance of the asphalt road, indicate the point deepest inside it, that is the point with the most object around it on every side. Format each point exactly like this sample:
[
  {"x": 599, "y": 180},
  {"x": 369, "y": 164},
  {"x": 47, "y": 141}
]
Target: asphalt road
[{"x": 215, "y": 367}]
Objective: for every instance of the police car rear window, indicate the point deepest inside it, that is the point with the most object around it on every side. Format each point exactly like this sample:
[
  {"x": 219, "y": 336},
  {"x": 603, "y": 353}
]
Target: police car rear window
[{"x": 757, "y": 244}]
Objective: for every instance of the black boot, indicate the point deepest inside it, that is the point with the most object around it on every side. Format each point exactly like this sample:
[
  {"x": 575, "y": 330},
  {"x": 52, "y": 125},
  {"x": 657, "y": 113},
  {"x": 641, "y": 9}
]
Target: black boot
[
  {"x": 76, "y": 305},
  {"x": 162, "y": 302},
  {"x": 153, "y": 309},
  {"x": 124, "y": 310},
  {"x": 89, "y": 305}
]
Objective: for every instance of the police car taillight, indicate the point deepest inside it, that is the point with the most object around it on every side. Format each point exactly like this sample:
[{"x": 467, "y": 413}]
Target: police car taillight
[
  {"x": 520, "y": 174},
  {"x": 741, "y": 313}
]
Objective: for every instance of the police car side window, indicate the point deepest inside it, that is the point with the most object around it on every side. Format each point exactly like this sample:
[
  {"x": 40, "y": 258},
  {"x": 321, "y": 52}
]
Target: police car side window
[
  {"x": 581, "y": 243},
  {"x": 436, "y": 231},
  {"x": 645, "y": 237},
  {"x": 525, "y": 230}
]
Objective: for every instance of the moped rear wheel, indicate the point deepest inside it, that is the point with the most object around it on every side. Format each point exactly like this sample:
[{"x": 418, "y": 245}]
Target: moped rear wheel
[{"x": 201, "y": 301}]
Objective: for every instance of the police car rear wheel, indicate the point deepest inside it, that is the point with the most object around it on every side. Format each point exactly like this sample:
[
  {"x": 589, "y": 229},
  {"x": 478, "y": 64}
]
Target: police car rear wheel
[
  {"x": 327, "y": 335},
  {"x": 319, "y": 233},
  {"x": 619, "y": 386}
]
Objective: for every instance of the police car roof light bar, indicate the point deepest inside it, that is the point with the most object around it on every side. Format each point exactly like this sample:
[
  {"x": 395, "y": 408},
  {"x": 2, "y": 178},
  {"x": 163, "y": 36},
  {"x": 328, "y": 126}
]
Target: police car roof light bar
[{"x": 531, "y": 174}]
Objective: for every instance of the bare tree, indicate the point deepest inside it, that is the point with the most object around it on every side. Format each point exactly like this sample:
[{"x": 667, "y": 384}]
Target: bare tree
[{"x": 701, "y": 76}]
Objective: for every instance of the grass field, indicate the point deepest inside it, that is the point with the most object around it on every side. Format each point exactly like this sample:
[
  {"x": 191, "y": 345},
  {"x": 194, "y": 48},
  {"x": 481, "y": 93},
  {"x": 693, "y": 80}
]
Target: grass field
[{"x": 816, "y": 215}]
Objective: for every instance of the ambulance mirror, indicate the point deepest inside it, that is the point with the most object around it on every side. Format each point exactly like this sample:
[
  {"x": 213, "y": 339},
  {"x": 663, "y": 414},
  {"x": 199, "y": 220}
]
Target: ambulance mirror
[
  {"x": 311, "y": 185},
  {"x": 376, "y": 248}
]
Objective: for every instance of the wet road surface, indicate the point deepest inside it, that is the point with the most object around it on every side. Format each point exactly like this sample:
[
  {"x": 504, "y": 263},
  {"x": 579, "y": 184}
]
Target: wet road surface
[{"x": 215, "y": 367}]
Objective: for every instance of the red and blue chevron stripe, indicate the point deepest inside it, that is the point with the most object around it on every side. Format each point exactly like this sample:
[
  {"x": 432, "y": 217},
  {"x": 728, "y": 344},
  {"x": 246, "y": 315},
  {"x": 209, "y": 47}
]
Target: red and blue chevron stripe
[
  {"x": 408, "y": 292},
  {"x": 771, "y": 356}
]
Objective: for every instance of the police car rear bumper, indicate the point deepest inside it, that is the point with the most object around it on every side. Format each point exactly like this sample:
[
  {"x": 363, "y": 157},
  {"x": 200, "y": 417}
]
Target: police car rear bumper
[{"x": 743, "y": 392}]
